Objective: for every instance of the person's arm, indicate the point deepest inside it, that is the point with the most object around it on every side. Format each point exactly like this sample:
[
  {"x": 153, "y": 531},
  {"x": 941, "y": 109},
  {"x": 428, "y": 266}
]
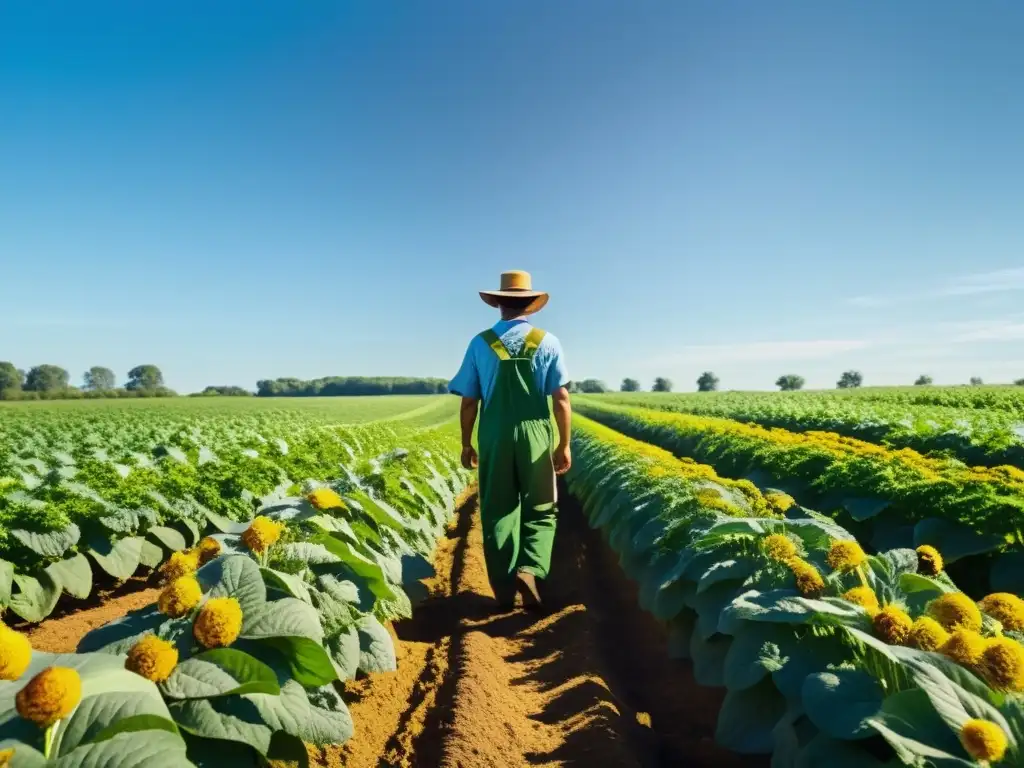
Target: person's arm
[
  {"x": 562, "y": 408},
  {"x": 467, "y": 419}
]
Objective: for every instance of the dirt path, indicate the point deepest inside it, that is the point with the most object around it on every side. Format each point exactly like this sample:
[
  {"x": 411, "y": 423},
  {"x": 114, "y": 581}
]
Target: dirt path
[{"x": 590, "y": 683}]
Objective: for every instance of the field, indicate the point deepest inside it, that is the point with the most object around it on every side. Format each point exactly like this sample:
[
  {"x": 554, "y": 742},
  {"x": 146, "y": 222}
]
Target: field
[{"x": 739, "y": 578}]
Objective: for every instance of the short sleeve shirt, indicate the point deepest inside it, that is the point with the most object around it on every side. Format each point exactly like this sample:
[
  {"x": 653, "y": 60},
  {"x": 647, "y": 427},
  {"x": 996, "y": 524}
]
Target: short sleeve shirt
[{"x": 479, "y": 368}]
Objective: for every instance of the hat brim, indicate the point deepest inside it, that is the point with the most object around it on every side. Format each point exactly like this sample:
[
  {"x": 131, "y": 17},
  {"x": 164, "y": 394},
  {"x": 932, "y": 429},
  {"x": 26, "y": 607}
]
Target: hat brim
[{"x": 493, "y": 299}]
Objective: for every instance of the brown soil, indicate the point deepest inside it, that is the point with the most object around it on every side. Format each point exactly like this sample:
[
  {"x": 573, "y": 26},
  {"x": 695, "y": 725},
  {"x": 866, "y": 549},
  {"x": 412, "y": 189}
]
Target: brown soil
[
  {"x": 588, "y": 683},
  {"x": 61, "y": 632}
]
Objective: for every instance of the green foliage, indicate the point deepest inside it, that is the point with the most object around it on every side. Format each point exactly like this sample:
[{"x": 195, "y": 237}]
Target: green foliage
[
  {"x": 849, "y": 380},
  {"x": 924, "y": 380},
  {"x": 661, "y": 384},
  {"x": 790, "y": 382},
  {"x": 213, "y": 391},
  {"x": 976, "y": 381},
  {"x": 99, "y": 379},
  {"x": 630, "y": 385},
  {"x": 10, "y": 377},
  {"x": 46, "y": 378},
  {"x": 331, "y": 386},
  {"x": 145, "y": 377},
  {"x": 592, "y": 386},
  {"x": 707, "y": 382}
]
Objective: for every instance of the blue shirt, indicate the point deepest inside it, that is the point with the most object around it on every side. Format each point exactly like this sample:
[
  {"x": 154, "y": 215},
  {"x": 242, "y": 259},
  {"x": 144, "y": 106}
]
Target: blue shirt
[{"x": 479, "y": 368}]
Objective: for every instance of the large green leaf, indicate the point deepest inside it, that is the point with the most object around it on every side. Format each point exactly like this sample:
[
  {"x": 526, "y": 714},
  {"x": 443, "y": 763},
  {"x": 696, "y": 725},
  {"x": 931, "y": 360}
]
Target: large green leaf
[
  {"x": 841, "y": 703},
  {"x": 708, "y": 657},
  {"x": 235, "y": 576},
  {"x": 916, "y": 732},
  {"x": 861, "y": 509},
  {"x": 147, "y": 749},
  {"x": 225, "y": 524},
  {"x": 1007, "y": 574},
  {"x": 104, "y": 715},
  {"x": 787, "y": 607},
  {"x": 954, "y": 539},
  {"x": 50, "y": 544},
  {"x": 308, "y": 553},
  {"x": 120, "y": 559},
  {"x": 168, "y": 538},
  {"x": 344, "y": 648},
  {"x": 220, "y": 672},
  {"x": 376, "y": 647},
  {"x": 292, "y": 627},
  {"x": 74, "y": 575},
  {"x": 744, "y": 662},
  {"x": 151, "y": 555},
  {"x": 288, "y": 583},
  {"x": 6, "y": 582},
  {"x": 35, "y": 598},
  {"x": 748, "y": 717}
]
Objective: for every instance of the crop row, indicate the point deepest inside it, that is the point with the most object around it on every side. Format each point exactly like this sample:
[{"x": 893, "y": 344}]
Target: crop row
[
  {"x": 238, "y": 661},
  {"x": 965, "y": 511},
  {"x": 975, "y": 436},
  {"x": 828, "y": 655}
]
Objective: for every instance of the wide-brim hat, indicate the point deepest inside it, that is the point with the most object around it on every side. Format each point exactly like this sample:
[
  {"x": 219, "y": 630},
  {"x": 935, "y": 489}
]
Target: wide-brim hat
[{"x": 516, "y": 284}]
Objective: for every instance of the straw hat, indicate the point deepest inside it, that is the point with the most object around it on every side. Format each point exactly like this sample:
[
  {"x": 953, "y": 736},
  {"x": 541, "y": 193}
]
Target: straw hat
[{"x": 516, "y": 284}]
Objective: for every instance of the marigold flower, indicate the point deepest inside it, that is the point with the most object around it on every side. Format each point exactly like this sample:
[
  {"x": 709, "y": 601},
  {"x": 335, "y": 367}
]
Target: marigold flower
[
  {"x": 180, "y": 596},
  {"x": 209, "y": 548},
  {"x": 893, "y": 625},
  {"x": 325, "y": 498},
  {"x": 778, "y": 546},
  {"x": 219, "y": 622},
  {"x": 1006, "y": 608},
  {"x": 262, "y": 534},
  {"x": 808, "y": 580},
  {"x": 50, "y": 696},
  {"x": 1002, "y": 664},
  {"x": 844, "y": 555},
  {"x": 152, "y": 658},
  {"x": 928, "y": 635},
  {"x": 15, "y": 653},
  {"x": 180, "y": 564},
  {"x": 6, "y": 755},
  {"x": 983, "y": 740},
  {"x": 955, "y": 610},
  {"x": 929, "y": 561},
  {"x": 964, "y": 647},
  {"x": 779, "y": 501},
  {"x": 865, "y": 598}
]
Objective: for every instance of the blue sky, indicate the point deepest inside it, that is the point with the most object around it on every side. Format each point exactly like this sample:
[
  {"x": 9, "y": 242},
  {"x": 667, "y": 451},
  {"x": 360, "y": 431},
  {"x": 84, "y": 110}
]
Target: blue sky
[{"x": 237, "y": 191}]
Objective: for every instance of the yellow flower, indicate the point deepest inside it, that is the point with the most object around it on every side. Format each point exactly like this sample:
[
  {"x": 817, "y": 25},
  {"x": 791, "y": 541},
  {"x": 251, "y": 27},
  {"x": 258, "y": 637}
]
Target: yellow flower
[
  {"x": 153, "y": 658},
  {"x": 180, "y": 596},
  {"x": 180, "y": 564},
  {"x": 865, "y": 598},
  {"x": 964, "y": 647},
  {"x": 983, "y": 740},
  {"x": 262, "y": 534},
  {"x": 209, "y": 548},
  {"x": 893, "y": 625},
  {"x": 325, "y": 498},
  {"x": 928, "y": 635},
  {"x": 844, "y": 555},
  {"x": 1002, "y": 664},
  {"x": 1006, "y": 608},
  {"x": 779, "y": 501},
  {"x": 6, "y": 755},
  {"x": 50, "y": 696},
  {"x": 955, "y": 610},
  {"x": 929, "y": 561},
  {"x": 808, "y": 580},
  {"x": 778, "y": 547},
  {"x": 218, "y": 623},
  {"x": 15, "y": 653}
]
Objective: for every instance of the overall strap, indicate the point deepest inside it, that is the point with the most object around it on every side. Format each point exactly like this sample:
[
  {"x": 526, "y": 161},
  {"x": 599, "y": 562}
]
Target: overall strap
[
  {"x": 532, "y": 343},
  {"x": 492, "y": 341}
]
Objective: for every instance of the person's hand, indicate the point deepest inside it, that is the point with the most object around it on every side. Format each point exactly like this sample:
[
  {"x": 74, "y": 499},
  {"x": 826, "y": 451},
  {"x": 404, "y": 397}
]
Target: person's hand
[
  {"x": 469, "y": 458},
  {"x": 563, "y": 459}
]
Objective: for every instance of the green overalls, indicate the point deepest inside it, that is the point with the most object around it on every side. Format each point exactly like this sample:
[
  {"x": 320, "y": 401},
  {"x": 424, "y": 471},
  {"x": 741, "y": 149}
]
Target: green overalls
[{"x": 517, "y": 476}]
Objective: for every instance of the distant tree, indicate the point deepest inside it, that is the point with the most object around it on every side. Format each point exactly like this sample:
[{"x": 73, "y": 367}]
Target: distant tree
[
  {"x": 850, "y": 380},
  {"x": 707, "y": 382},
  {"x": 99, "y": 379},
  {"x": 924, "y": 380},
  {"x": 790, "y": 382},
  {"x": 47, "y": 378},
  {"x": 630, "y": 385},
  {"x": 592, "y": 387},
  {"x": 573, "y": 387},
  {"x": 229, "y": 391},
  {"x": 1019, "y": 382},
  {"x": 661, "y": 384},
  {"x": 11, "y": 379},
  {"x": 976, "y": 381},
  {"x": 144, "y": 377}
]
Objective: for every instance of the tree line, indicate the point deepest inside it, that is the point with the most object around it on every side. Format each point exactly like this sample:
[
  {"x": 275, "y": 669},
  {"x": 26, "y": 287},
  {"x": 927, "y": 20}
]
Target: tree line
[
  {"x": 333, "y": 386},
  {"x": 51, "y": 382},
  {"x": 709, "y": 382}
]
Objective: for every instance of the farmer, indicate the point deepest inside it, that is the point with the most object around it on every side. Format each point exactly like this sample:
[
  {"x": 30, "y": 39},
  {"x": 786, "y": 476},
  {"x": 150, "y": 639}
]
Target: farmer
[{"x": 513, "y": 368}]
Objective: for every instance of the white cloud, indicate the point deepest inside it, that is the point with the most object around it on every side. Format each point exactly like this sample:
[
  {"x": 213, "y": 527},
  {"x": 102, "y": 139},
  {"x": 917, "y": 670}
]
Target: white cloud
[
  {"x": 999, "y": 280},
  {"x": 989, "y": 330}
]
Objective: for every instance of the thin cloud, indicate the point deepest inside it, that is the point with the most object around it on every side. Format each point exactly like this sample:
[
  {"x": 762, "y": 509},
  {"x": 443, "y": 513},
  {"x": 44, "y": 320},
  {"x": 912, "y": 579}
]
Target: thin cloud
[
  {"x": 998, "y": 330},
  {"x": 813, "y": 349},
  {"x": 1000, "y": 280}
]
